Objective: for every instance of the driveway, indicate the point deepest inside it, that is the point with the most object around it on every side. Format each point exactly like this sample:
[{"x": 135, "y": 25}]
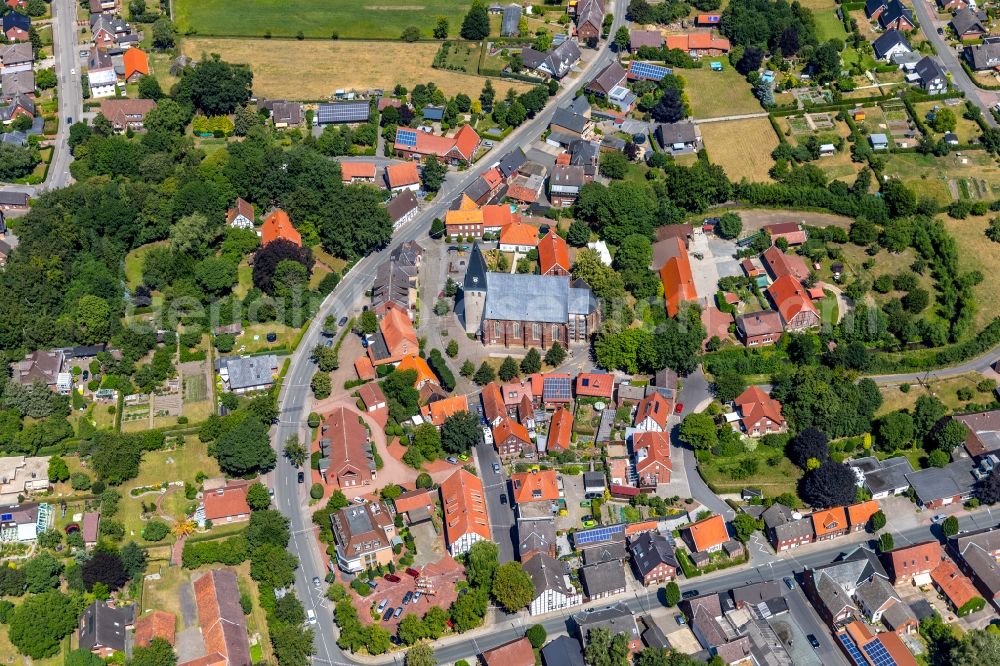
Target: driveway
[{"x": 716, "y": 261}]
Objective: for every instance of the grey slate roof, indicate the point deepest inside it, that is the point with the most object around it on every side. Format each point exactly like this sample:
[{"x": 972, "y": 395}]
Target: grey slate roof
[
  {"x": 891, "y": 475},
  {"x": 608, "y": 78},
  {"x": 511, "y": 17},
  {"x": 602, "y": 578},
  {"x": 580, "y": 105},
  {"x": 929, "y": 70},
  {"x": 563, "y": 117},
  {"x": 16, "y": 54},
  {"x": 605, "y": 552},
  {"x": 475, "y": 274},
  {"x": 976, "y": 549},
  {"x": 836, "y": 581},
  {"x": 548, "y": 573},
  {"x": 940, "y": 482},
  {"x": 246, "y": 372},
  {"x": 14, "y": 83},
  {"x": 401, "y": 204},
  {"x": 541, "y": 298},
  {"x": 899, "y": 615},
  {"x": 671, "y": 133},
  {"x": 650, "y": 550},
  {"x": 535, "y": 535},
  {"x": 894, "y": 9},
  {"x": 562, "y": 58},
  {"x": 617, "y": 619},
  {"x": 983, "y": 56},
  {"x": 104, "y": 626},
  {"x": 563, "y": 651},
  {"x": 875, "y": 592},
  {"x": 511, "y": 162},
  {"x": 970, "y": 21},
  {"x": 531, "y": 58},
  {"x": 888, "y": 40}
]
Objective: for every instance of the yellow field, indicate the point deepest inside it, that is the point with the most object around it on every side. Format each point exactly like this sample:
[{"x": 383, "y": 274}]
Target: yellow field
[
  {"x": 313, "y": 70},
  {"x": 742, "y": 147}
]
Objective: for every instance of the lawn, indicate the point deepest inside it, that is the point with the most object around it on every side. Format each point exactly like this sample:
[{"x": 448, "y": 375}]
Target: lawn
[
  {"x": 978, "y": 253},
  {"x": 715, "y": 94},
  {"x": 133, "y": 263},
  {"x": 742, "y": 147},
  {"x": 773, "y": 479},
  {"x": 945, "y": 390},
  {"x": 254, "y": 337},
  {"x": 828, "y": 26},
  {"x": 332, "y": 65},
  {"x": 939, "y": 177},
  {"x": 463, "y": 56},
  {"x": 967, "y": 130},
  {"x": 315, "y": 18}
]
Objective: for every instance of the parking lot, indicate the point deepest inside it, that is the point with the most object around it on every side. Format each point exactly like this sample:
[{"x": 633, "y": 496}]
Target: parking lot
[
  {"x": 441, "y": 577},
  {"x": 716, "y": 261}
]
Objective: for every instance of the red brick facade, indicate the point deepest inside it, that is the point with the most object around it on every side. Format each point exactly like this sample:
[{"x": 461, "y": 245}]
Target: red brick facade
[{"x": 536, "y": 334}]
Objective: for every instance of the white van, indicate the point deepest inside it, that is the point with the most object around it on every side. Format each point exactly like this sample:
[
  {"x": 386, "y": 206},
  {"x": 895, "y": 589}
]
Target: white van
[{"x": 310, "y": 616}]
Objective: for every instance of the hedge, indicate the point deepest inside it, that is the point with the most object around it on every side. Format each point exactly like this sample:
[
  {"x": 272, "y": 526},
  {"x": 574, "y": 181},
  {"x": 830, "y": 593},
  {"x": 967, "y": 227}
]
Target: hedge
[{"x": 231, "y": 551}]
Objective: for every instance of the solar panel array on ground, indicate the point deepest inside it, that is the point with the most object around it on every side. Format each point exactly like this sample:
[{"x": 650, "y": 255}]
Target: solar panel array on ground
[
  {"x": 342, "y": 112},
  {"x": 598, "y": 534},
  {"x": 406, "y": 138},
  {"x": 557, "y": 388},
  {"x": 648, "y": 71}
]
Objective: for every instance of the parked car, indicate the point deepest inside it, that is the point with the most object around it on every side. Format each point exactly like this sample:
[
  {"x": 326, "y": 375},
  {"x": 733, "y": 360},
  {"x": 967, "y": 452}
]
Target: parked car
[
  {"x": 939, "y": 518},
  {"x": 412, "y": 572},
  {"x": 679, "y": 619},
  {"x": 302, "y": 477},
  {"x": 407, "y": 598},
  {"x": 343, "y": 320},
  {"x": 416, "y": 595},
  {"x": 452, "y": 459},
  {"x": 388, "y": 614},
  {"x": 316, "y": 581},
  {"x": 359, "y": 500},
  {"x": 382, "y": 604},
  {"x": 503, "y": 499},
  {"x": 310, "y": 616},
  {"x": 812, "y": 640},
  {"x": 689, "y": 594},
  {"x": 496, "y": 468},
  {"x": 790, "y": 582},
  {"x": 679, "y": 408},
  {"x": 392, "y": 578},
  {"x": 399, "y": 611},
  {"x": 372, "y": 583}
]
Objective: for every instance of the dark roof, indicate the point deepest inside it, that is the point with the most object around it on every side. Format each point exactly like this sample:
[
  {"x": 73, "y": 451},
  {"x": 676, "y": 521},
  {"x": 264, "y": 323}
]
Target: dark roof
[
  {"x": 511, "y": 162},
  {"x": 531, "y": 58},
  {"x": 511, "y": 17},
  {"x": 401, "y": 204},
  {"x": 562, "y": 58},
  {"x": 889, "y": 476},
  {"x": 104, "y": 626},
  {"x": 872, "y": 6},
  {"x": 563, "y": 651},
  {"x": 475, "y": 274},
  {"x": 983, "y": 56},
  {"x": 894, "y": 10},
  {"x": 433, "y": 113},
  {"x": 654, "y": 637},
  {"x": 563, "y": 117},
  {"x": 608, "y": 78},
  {"x": 343, "y": 112},
  {"x": 16, "y": 20},
  {"x": 928, "y": 69},
  {"x": 602, "y": 578},
  {"x": 969, "y": 20},
  {"x": 934, "y": 483},
  {"x": 617, "y": 619},
  {"x": 535, "y": 536},
  {"x": 605, "y": 552},
  {"x": 10, "y": 198},
  {"x": 478, "y": 189},
  {"x": 548, "y": 573},
  {"x": 671, "y": 133},
  {"x": 649, "y": 550},
  {"x": 888, "y": 40}
]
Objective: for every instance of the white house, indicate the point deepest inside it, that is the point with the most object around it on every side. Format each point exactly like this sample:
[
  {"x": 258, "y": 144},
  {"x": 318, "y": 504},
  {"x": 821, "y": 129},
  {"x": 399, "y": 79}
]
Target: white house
[
  {"x": 102, "y": 82},
  {"x": 553, "y": 590}
]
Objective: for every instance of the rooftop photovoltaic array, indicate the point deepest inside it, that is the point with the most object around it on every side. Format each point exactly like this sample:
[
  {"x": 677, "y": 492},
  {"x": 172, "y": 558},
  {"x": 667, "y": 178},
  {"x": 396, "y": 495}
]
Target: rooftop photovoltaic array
[
  {"x": 647, "y": 70},
  {"x": 343, "y": 112},
  {"x": 878, "y": 654},
  {"x": 557, "y": 388},
  {"x": 406, "y": 137},
  {"x": 852, "y": 650},
  {"x": 599, "y": 534}
]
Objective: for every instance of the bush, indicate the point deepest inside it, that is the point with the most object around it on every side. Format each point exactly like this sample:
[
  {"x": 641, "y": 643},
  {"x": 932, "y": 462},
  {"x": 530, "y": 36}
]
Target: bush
[
  {"x": 316, "y": 491},
  {"x": 79, "y": 481},
  {"x": 536, "y": 635},
  {"x": 155, "y": 530}
]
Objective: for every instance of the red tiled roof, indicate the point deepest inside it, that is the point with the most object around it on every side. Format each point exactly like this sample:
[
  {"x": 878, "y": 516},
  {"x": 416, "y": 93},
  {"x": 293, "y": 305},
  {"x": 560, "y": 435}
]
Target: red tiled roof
[
  {"x": 782, "y": 264},
  {"x": 654, "y": 465},
  {"x": 227, "y": 502},
  {"x": 754, "y": 405},
  {"x": 708, "y": 533},
  {"x": 371, "y": 394},
  {"x": 499, "y": 215},
  {"x": 466, "y": 141},
  {"x": 400, "y": 175},
  {"x": 790, "y": 298},
  {"x": 399, "y": 335},
  {"x": 157, "y": 624},
  {"x": 418, "y": 365},
  {"x": 414, "y": 499},
  {"x": 859, "y": 514},
  {"x": 508, "y": 428},
  {"x": 552, "y": 252},
  {"x": 520, "y": 234},
  {"x": 464, "y": 506},
  {"x": 654, "y": 406},
  {"x": 463, "y": 143},
  {"x": 518, "y": 652},
  {"x": 954, "y": 584},
  {"x": 346, "y": 451},
  {"x": 829, "y": 520},
  {"x": 363, "y": 366},
  {"x": 916, "y": 559},
  {"x": 537, "y": 486},
  {"x": 135, "y": 62},
  {"x": 351, "y": 170},
  {"x": 678, "y": 282},
  {"x": 595, "y": 385},
  {"x": 223, "y": 625},
  {"x": 560, "y": 431},
  {"x": 493, "y": 178},
  {"x": 242, "y": 207},
  {"x": 493, "y": 405},
  {"x": 277, "y": 225},
  {"x": 440, "y": 410}
]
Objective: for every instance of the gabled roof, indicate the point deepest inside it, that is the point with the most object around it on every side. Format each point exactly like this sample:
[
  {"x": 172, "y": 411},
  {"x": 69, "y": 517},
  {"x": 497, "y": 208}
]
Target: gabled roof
[
  {"x": 535, "y": 486},
  {"x": 156, "y": 624},
  {"x": 509, "y": 428},
  {"x": 345, "y": 442},
  {"x": 223, "y": 625},
  {"x": 639, "y": 38},
  {"x": 493, "y": 404},
  {"x": 401, "y": 175},
  {"x": 13, "y": 20},
  {"x": 889, "y": 40},
  {"x": 565, "y": 118},
  {"x": 617, "y": 618},
  {"x": 535, "y": 536},
  {"x": 781, "y": 264},
  {"x": 563, "y": 651},
  {"x": 418, "y": 365},
  {"x": 708, "y": 533},
  {"x": 858, "y": 514},
  {"x": 650, "y": 550},
  {"x": 790, "y": 298},
  {"x": 227, "y": 502},
  {"x": 104, "y": 626},
  {"x": 829, "y": 520},
  {"x": 602, "y": 578},
  {"x": 135, "y": 62},
  {"x": 609, "y": 77},
  {"x": 401, "y": 204},
  {"x": 278, "y": 225},
  {"x": 916, "y": 559},
  {"x": 560, "y": 431},
  {"x": 595, "y": 385},
  {"x": 517, "y": 652},
  {"x": 552, "y": 252},
  {"x": 371, "y": 394},
  {"x": 439, "y": 410},
  {"x": 519, "y": 233},
  {"x": 754, "y": 404},
  {"x": 954, "y": 584},
  {"x": 511, "y": 162},
  {"x": 653, "y": 406},
  {"x": 678, "y": 281},
  {"x": 464, "y": 506},
  {"x": 928, "y": 70},
  {"x": 762, "y": 322},
  {"x": 351, "y": 170},
  {"x": 548, "y": 574}
]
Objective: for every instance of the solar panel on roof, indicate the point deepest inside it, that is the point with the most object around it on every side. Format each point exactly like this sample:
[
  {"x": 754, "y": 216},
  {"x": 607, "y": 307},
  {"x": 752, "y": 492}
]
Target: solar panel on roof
[
  {"x": 598, "y": 534},
  {"x": 406, "y": 137},
  {"x": 852, "y": 650},
  {"x": 556, "y": 388},
  {"x": 7, "y": 516},
  {"x": 648, "y": 70},
  {"x": 878, "y": 654},
  {"x": 347, "y": 112}
]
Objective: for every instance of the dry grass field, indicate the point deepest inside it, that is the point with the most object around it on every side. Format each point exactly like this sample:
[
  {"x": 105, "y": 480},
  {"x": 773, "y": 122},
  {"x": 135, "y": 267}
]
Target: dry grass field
[
  {"x": 313, "y": 70},
  {"x": 716, "y": 94},
  {"x": 978, "y": 253},
  {"x": 742, "y": 147}
]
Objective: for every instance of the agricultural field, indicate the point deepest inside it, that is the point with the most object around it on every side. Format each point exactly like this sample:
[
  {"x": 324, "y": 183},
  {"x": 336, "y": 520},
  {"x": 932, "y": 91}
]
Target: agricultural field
[
  {"x": 315, "y": 18},
  {"x": 972, "y": 175},
  {"x": 978, "y": 253},
  {"x": 742, "y": 147},
  {"x": 716, "y": 94},
  {"x": 333, "y": 65}
]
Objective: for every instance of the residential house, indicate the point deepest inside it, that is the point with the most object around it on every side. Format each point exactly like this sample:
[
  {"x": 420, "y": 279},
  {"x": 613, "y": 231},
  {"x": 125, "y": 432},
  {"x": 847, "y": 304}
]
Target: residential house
[
  {"x": 556, "y": 63},
  {"x": 39, "y": 366},
  {"x": 278, "y": 225},
  {"x": 697, "y": 44},
  {"x": 653, "y": 558},
  {"x": 285, "y": 114},
  {"x": 418, "y": 505},
  {"x": 680, "y": 137},
  {"x": 977, "y": 552},
  {"x": 155, "y": 624},
  {"x": 536, "y": 535},
  {"x": 595, "y": 385},
  {"x": 525, "y": 310},
  {"x": 649, "y": 38},
  {"x": 983, "y": 56},
  {"x": 17, "y": 57},
  {"x": 831, "y": 587},
  {"x": 882, "y": 478},
  {"x": 586, "y": 154},
  {"x": 779, "y": 264},
  {"x": 935, "y": 487},
  {"x": 562, "y": 651},
  {"x": 396, "y": 280},
  {"x": 404, "y": 176},
  {"x": 589, "y": 21},
  {"x": 874, "y": 597},
  {"x": 706, "y": 536},
  {"x": 458, "y": 149},
  {"x": 715, "y": 631},
  {"x": 227, "y": 504},
  {"x": 348, "y": 458},
  {"x": 678, "y": 281},
  {"x": 486, "y": 187},
  {"x": 110, "y": 31},
  {"x": 914, "y": 563},
  {"x": 420, "y": 366},
  {"x": 887, "y": 647},
  {"x": 617, "y": 619},
  {"x": 639, "y": 70},
  {"x": 553, "y": 255},
  {"x": 357, "y": 172},
  {"x": 136, "y": 65},
  {"x": 983, "y": 429},
  {"x": 103, "y": 628},
  {"x": 951, "y": 6},
  {"x": 103, "y": 6},
  {"x": 594, "y": 485},
  {"x": 510, "y": 163},
  {"x": 652, "y": 457},
  {"x": 829, "y": 523},
  {"x": 241, "y": 215},
  {"x": 402, "y": 208},
  {"x": 512, "y": 440},
  {"x": 438, "y": 411},
  {"x": 786, "y": 529},
  {"x": 130, "y": 114},
  {"x": 16, "y": 26},
  {"x": 931, "y": 75},
  {"x": 221, "y": 618},
  {"x": 793, "y": 303},
  {"x": 15, "y": 85},
  {"x": 517, "y": 652},
  {"x": 956, "y": 587},
  {"x": 395, "y": 337},
  {"x": 792, "y": 232},
  {"x": 536, "y": 486},
  {"x": 652, "y": 413},
  {"x": 22, "y": 522},
  {"x": 891, "y": 43},
  {"x": 553, "y": 590},
  {"x": 464, "y": 507},
  {"x": 518, "y": 237},
  {"x": 759, "y": 413},
  {"x": 760, "y": 328},
  {"x": 343, "y": 112},
  {"x": 21, "y": 476},
  {"x": 859, "y": 514},
  {"x": 609, "y": 78},
  {"x": 890, "y": 14},
  {"x": 970, "y": 23},
  {"x": 247, "y": 374},
  {"x": 565, "y": 182},
  {"x": 605, "y": 579},
  {"x": 364, "y": 535},
  {"x": 102, "y": 80},
  {"x": 493, "y": 404},
  {"x": 568, "y": 122},
  {"x": 560, "y": 432}
]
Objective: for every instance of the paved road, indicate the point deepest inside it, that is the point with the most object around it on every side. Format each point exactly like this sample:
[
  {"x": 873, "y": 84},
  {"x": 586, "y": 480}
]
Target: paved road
[
  {"x": 927, "y": 15},
  {"x": 294, "y": 400},
  {"x": 502, "y": 522},
  {"x": 978, "y": 364},
  {"x": 64, "y": 46}
]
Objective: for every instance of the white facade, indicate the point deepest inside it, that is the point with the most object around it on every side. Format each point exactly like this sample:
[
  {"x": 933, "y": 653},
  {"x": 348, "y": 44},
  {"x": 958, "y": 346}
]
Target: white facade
[
  {"x": 406, "y": 218},
  {"x": 241, "y": 222},
  {"x": 102, "y": 82},
  {"x": 648, "y": 424},
  {"x": 463, "y": 543},
  {"x": 550, "y": 600}
]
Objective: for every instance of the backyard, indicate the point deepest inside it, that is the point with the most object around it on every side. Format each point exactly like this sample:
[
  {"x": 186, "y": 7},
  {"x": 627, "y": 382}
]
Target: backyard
[
  {"x": 771, "y": 471},
  {"x": 945, "y": 390},
  {"x": 334, "y": 65},
  {"x": 717, "y": 94},
  {"x": 742, "y": 147},
  {"x": 315, "y": 18},
  {"x": 942, "y": 177}
]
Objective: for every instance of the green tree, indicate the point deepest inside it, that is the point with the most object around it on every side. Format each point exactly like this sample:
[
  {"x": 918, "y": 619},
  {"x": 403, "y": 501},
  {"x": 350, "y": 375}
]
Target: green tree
[
  {"x": 411, "y": 629},
  {"x": 614, "y": 165},
  {"x": 578, "y": 234},
  {"x": 728, "y": 385},
  {"x": 273, "y": 566},
  {"x": 512, "y": 587},
  {"x": 452, "y": 349},
  {"x": 622, "y": 39},
  {"x": 368, "y": 322},
  {"x": 926, "y": 413},
  {"x": 337, "y": 500},
  {"x": 433, "y": 174},
  {"x": 894, "y": 430},
  {"x": 698, "y": 431},
  {"x": 476, "y": 24},
  {"x": 38, "y": 625},
  {"x": 481, "y": 565},
  {"x": 258, "y": 497},
  {"x": 603, "y": 649},
  {"x": 744, "y": 526},
  {"x": 877, "y": 521},
  {"x": 42, "y": 572},
  {"x": 82, "y": 657},
  {"x": 508, "y": 369},
  {"x": 536, "y": 635},
  {"x": 149, "y": 88},
  {"x": 441, "y": 28},
  {"x": 158, "y": 653},
  {"x": 730, "y": 225},
  {"x": 321, "y": 385},
  {"x": 163, "y": 34},
  {"x": 134, "y": 560},
  {"x": 885, "y": 542},
  {"x": 532, "y": 362},
  {"x": 460, "y": 432},
  {"x": 293, "y": 645},
  {"x": 555, "y": 356},
  {"x": 485, "y": 374},
  {"x": 944, "y": 121},
  {"x": 155, "y": 530},
  {"x": 58, "y": 469},
  {"x": 295, "y": 452},
  {"x": 420, "y": 655},
  {"x": 979, "y": 646},
  {"x": 949, "y": 527},
  {"x": 245, "y": 449},
  {"x": 411, "y": 33},
  {"x": 672, "y": 594},
  {"x": 467, "y": 369}
]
